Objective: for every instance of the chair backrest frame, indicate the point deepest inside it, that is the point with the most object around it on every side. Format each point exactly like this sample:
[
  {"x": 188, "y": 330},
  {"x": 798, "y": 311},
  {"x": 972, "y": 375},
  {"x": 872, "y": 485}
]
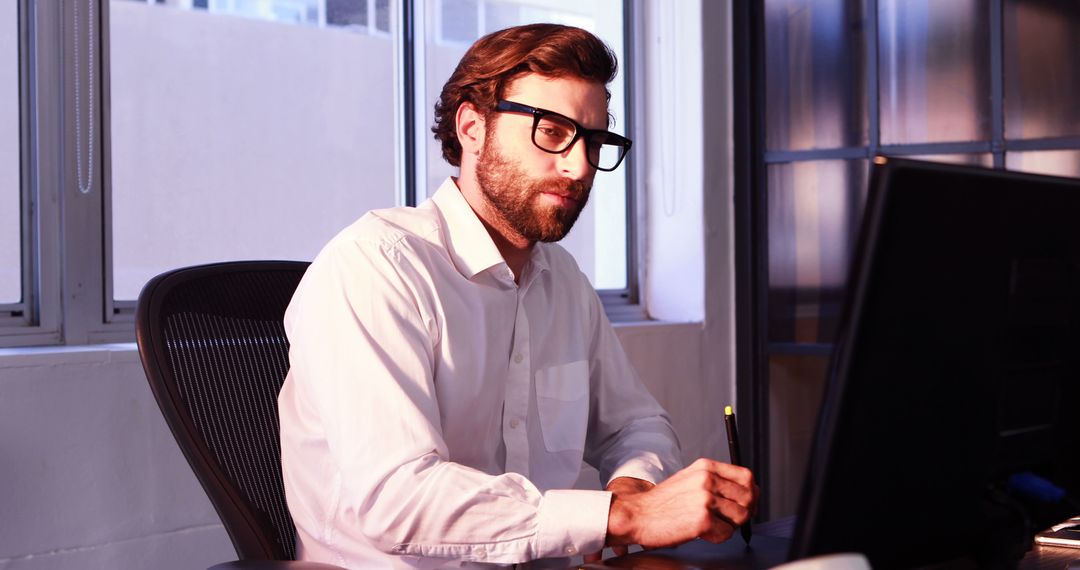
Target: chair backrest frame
[{"x": 246, "y": 525}]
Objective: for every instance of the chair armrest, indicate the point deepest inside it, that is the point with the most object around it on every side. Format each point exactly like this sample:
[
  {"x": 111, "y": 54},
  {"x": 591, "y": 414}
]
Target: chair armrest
[{"x": 273, "y": 565}]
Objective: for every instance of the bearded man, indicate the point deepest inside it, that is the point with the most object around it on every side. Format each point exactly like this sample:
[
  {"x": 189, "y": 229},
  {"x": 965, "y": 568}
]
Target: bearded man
[{"x": 451, "y": 366}]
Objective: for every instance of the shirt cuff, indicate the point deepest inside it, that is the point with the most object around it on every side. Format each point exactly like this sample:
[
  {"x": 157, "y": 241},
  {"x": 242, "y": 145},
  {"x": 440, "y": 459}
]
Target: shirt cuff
[
  {"x": 572, "y": 522},
  {"x": 648, "y": 469}
]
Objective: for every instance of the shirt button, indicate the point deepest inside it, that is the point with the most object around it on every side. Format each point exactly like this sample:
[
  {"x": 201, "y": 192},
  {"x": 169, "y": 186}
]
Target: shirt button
[
  {"x": 480, "y": 552},
  {"x": 514, "y": 423},
  {"x": 518, "y": 358},
  {"x": 570, "y": 550}
]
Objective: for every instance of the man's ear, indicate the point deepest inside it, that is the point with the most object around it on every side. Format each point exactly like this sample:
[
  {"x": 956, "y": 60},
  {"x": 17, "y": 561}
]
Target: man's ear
[{"x": 470, "y": 128}]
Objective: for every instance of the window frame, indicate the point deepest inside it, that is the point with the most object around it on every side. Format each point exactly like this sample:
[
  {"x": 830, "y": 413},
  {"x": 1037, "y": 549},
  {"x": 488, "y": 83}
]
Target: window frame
[
  {"x": 66, "y": 248},
  {"x": 39, "y": 48},
  {"x": 626, "y": 305},
  {"x": 18, "y": 314}
]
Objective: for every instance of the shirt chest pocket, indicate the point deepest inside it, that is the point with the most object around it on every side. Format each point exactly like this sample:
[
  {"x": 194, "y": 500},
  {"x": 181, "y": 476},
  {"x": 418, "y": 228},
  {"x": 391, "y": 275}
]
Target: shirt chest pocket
[{"x": 562, "y": 400}]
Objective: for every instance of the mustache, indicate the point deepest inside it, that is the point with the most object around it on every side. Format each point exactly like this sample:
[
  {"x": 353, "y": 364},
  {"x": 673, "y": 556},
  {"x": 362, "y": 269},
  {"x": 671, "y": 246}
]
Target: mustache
[{"x": 576, "y": 189}]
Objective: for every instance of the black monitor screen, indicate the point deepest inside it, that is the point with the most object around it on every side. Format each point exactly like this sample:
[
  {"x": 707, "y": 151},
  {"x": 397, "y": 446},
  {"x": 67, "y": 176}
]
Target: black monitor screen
[{"x": 955, "y": 369}]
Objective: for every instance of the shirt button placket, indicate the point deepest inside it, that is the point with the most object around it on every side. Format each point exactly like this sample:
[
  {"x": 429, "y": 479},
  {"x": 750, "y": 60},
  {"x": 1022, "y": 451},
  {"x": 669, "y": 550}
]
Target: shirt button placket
[{"x": 517, "y": 405}]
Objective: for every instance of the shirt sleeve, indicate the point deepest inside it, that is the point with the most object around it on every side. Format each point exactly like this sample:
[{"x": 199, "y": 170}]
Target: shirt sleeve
[
  {"x": 630, "y": 434},
  {"x": 363, "y": 345}
]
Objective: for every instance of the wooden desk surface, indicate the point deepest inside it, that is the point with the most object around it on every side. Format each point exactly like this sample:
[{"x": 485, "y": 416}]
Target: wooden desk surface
[
  {"x": 1046, "y": 557},
  {"x": 768, "y": 548}
]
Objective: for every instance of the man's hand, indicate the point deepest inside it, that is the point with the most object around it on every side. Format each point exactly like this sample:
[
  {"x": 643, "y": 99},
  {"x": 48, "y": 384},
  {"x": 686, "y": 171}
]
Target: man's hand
[
  {"x": 621, "y": 486},
  {"x": 708, "y": 499}
]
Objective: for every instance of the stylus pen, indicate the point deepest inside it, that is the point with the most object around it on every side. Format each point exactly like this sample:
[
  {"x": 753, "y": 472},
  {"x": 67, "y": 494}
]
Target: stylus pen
[{"x": 733, "y": 450}]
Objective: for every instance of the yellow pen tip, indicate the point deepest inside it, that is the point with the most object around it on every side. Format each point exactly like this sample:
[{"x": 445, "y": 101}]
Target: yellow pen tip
[{"x": 727, "y": 410}]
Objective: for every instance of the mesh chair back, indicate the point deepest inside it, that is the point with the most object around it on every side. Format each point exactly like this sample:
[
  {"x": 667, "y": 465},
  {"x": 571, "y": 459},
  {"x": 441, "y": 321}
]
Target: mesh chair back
[{"x": 213, "y": 346}]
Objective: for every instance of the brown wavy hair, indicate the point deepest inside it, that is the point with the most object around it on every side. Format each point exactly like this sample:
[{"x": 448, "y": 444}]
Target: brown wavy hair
[{"x": 481, "y": 78}]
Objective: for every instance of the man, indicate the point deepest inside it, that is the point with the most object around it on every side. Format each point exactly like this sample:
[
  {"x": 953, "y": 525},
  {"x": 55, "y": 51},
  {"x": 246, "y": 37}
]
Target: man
[{"x": 451, "y": 368}]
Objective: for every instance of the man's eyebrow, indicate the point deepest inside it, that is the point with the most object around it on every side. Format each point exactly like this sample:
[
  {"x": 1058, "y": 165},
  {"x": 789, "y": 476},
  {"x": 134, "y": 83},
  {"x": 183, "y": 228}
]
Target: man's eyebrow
[{"x": 610, "y": 121}]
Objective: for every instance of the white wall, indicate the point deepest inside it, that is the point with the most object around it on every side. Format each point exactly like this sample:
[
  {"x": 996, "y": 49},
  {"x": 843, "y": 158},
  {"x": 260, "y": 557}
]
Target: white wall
[{"x": 90, "y": 477}]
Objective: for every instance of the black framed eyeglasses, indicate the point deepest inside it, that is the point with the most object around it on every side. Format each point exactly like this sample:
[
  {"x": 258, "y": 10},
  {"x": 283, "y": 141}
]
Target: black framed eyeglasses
[{"x": 554, "y": 133}]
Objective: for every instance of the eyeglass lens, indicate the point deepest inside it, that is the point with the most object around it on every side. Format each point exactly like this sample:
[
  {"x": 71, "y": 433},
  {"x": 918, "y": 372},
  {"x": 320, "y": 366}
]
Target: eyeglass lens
[{"x": 554, "y": 134}]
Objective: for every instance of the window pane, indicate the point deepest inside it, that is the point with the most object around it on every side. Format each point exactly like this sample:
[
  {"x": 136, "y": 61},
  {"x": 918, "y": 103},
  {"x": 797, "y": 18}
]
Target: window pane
[
  {"x": 815, "y": 80},
  {"x": 598, "y": 240},
  {"x": 796, "y": 384},
  {"x": 10, "y": 227},
  {"x": 383, "y": 17},
  {"x": 813, "y": 214},
  {"x": 980, "y": 159},
  {"x": 234, "y": 138},
  {"x": 1042, "y": 77},
  {"x": 935, "y": 70},
  {"x": 458, "y": 22},
  {"x": 347, "y": 13},
  {"x": 1054, "y": 162}
]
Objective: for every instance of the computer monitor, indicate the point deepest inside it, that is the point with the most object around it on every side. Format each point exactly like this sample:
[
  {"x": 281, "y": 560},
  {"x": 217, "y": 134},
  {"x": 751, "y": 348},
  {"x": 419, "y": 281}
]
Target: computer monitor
[{"x": 955, "y": 367}]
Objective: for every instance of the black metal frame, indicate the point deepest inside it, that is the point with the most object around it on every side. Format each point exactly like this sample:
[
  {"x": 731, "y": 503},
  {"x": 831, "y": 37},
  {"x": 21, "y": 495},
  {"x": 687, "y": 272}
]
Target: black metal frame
[
  {"x": 408, "y": 94},
  {"x": 749, "y": 103}
]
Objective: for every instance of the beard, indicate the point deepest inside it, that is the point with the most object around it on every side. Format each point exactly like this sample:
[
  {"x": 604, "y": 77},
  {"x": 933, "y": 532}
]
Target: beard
[{"x": 515, "y": 196}]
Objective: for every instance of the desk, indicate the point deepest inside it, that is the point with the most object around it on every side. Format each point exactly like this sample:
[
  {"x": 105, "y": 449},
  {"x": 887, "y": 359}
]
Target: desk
[{"x": 769, "y": 548}]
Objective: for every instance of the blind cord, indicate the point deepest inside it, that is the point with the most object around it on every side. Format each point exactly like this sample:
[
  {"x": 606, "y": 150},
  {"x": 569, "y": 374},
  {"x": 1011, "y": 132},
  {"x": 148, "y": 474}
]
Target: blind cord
[{"x": 84, "y": 188}]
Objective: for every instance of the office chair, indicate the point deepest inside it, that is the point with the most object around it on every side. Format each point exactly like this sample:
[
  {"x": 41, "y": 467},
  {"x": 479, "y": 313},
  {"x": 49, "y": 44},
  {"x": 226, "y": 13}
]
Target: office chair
[{"x": 213, "y": 346}]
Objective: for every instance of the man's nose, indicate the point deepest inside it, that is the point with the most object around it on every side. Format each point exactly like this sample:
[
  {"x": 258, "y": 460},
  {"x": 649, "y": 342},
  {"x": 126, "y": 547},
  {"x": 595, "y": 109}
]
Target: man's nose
[{"x": 574, "y": 161}]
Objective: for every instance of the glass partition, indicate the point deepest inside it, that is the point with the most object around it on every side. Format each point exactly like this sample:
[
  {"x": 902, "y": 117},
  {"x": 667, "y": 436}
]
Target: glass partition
[
  {"x": 934, "y": 66},
  {"x": 1042, "y": 87},
  {"x": 815, "y": 79},
  {"x": 1053, "y": 162},
  {"x": 814, "y": 209}
]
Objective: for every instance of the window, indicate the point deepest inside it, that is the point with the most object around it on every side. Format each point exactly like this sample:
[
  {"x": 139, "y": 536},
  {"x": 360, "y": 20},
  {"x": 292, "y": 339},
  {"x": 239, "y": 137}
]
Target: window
[
  {"x": 242, "y": 138},
  {"x": 11, "y": 285},
  {"x": 195, "y": 131},
  {"x": 833, "y": 83}
]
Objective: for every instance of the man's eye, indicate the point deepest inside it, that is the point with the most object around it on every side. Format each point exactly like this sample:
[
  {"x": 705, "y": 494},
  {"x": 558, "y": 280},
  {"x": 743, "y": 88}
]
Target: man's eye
[
  {"x": 555, "y": 129},
  {"x": 551, "y": 131}
]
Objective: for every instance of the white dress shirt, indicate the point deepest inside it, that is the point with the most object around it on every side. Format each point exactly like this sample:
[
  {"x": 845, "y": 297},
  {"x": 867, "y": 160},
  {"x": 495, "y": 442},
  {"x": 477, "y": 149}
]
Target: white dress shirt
[{"x": 436, "y": 413}]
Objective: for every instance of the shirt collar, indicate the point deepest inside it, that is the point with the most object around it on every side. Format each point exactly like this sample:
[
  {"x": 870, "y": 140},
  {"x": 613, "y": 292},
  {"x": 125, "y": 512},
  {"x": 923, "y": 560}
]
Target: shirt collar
[{"x": 469, "y": 243}]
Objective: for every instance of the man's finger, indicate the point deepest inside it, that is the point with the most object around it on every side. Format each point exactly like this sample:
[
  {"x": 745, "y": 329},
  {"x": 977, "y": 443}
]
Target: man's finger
[
  {"x": 731, "y": 490},
  {"x": 620, "y": 550},
  {"x": 592, "y": 557},
  {"x": 740, "y": 475},
  {"x": 728, "y": 512}
]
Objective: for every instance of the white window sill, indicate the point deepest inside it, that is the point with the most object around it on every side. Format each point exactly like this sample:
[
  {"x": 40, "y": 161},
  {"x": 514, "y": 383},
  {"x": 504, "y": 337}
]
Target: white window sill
[{"x": 124, "y": 352}]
